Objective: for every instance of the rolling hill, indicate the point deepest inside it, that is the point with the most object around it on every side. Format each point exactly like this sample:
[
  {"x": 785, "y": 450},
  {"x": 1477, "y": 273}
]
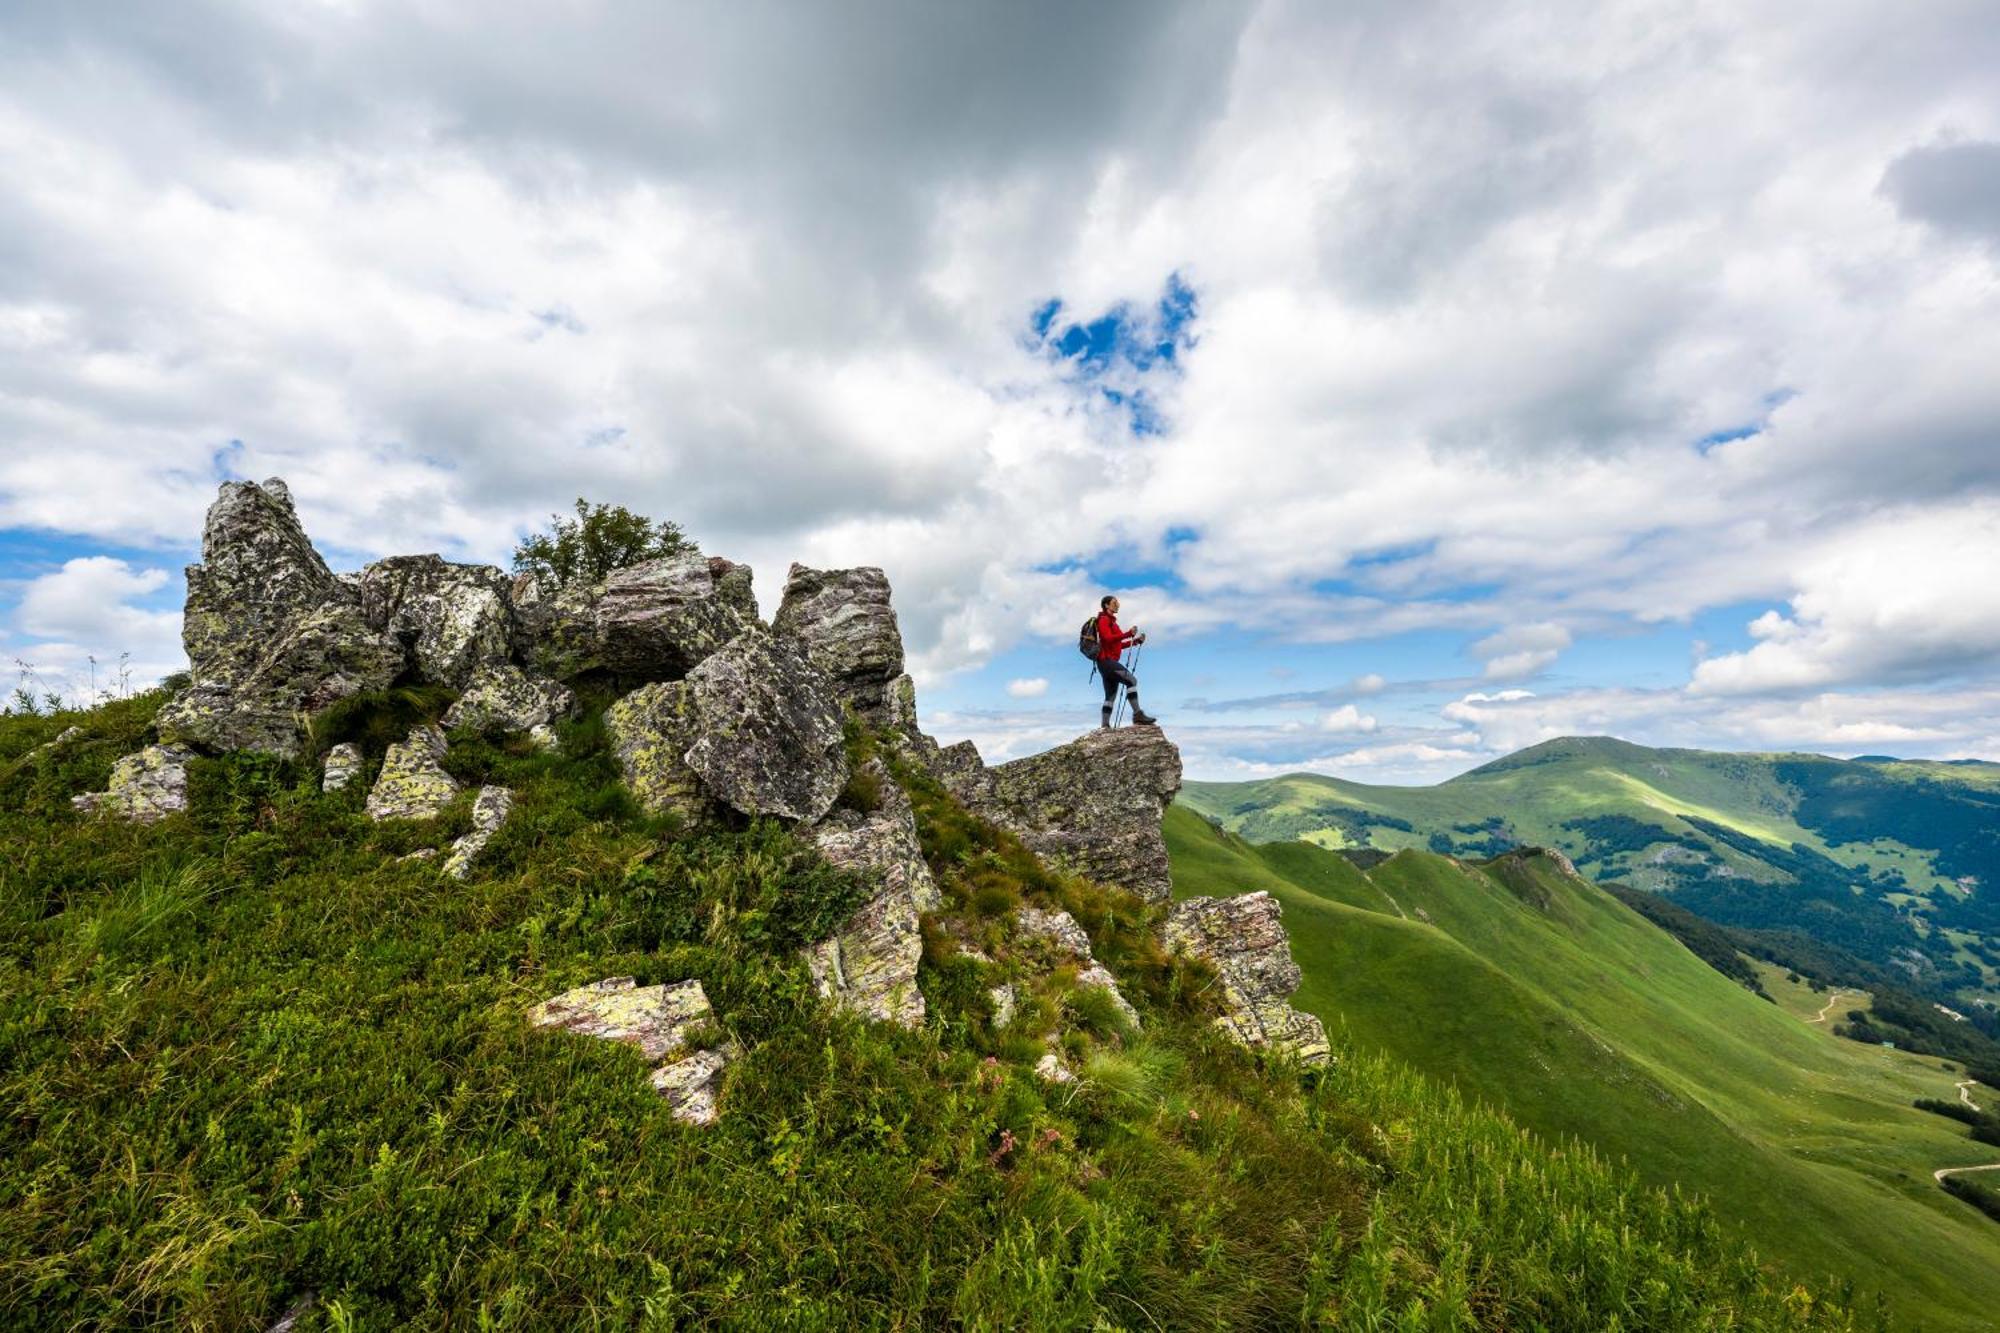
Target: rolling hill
[
  {"x": 1541, "y": 993},
  {"x": 1895, "y": 863}
]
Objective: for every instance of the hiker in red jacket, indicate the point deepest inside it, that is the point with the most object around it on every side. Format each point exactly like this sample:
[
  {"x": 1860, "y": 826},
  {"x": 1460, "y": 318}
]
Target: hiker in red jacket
[{"x": 1111, "y": 645}]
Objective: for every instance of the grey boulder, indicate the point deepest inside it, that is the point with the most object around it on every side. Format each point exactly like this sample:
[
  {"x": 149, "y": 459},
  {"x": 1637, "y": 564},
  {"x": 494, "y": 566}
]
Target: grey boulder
[
  {"x": 343, "y": 765},
  {"x": 1243, "y": 939},
  {"x": 844, "y": 619},
  {"x": 1065, "y": 943},
  {"x": 869, "y": 965},
  {"x": 271, "y": 635},
  {"x": 145, "y": 787},
  {"x": 413, "y": 783},
  {"x": 654, "y": 621},
  {"x": 489, "y": 811},
  {"x": 451, "y": 619},
  {"x": 503, "y": 696}
]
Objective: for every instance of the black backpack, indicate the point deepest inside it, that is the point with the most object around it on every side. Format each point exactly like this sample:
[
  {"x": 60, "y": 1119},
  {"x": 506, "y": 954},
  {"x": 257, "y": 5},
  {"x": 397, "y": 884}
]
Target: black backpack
[{"x": 1087, "y": 641}]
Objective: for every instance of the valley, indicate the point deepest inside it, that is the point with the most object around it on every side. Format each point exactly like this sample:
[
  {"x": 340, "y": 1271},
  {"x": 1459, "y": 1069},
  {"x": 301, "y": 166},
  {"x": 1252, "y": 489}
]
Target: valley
[{"x": 1538, "y": 992}]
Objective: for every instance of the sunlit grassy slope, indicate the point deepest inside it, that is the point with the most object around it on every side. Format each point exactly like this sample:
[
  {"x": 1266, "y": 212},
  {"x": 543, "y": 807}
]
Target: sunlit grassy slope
[{"x": 1546, "y": 996}]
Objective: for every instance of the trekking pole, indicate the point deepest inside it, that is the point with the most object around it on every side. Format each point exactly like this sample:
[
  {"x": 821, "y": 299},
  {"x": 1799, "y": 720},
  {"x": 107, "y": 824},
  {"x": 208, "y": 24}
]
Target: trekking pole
[{"x": 1118, "y": 717}]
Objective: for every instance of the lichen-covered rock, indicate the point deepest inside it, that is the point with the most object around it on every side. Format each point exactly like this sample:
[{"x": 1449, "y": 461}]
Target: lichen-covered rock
[
  {"x": 1093, "y": 806},
  {"x": 869, "y": 965},
  {"x": 1051, "y": 1069},
  {"x": 343, "y": 765},
  {"x": 1066, "y": 941},
  {"x": 654, "y": 621},
  {"x": 451, "y": 619},
  {"x": 1004, "y": 999},
  {"x": 504, "y": 696},
  {"x": 848, "y": 627},
  {"x": 658, "y": 1020},
  {"x": 489, "y": 812},
  {"x": 767, "y": 729},
  {"x": 413, "y": 783},
  {"x": 145, "y": 787},
  {"x": 1244, "y": 941},
  {"x": 651, "y": 729},
  {"x": 271, "y": 635}
]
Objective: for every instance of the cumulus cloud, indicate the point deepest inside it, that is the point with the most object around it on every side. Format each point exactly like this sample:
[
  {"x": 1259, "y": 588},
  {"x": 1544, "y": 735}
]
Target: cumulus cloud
[
  {"x": 1908, "y": 596},
  {"x": 1520, "y": 650},
  {"x": 91, "y": 608},
  {"x": 1346, "y": 719},
  {"x": 1032, "y": 688},
  {"x": 1536, "y": 318}
]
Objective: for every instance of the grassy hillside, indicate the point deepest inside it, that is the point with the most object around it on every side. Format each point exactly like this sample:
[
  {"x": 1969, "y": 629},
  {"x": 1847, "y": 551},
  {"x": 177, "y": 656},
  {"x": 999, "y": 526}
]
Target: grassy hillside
[
  {"x": 1547, "y": 997},
  {"x": 252, "y": 1061},
  {"x": 1896, "y": 863}
]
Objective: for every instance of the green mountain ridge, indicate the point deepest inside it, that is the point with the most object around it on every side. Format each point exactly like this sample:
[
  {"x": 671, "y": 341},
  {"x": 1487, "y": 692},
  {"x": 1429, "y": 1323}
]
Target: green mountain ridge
[
  {"x": 1896, "y": 862},
  {"x": 1542, "y": 994}
]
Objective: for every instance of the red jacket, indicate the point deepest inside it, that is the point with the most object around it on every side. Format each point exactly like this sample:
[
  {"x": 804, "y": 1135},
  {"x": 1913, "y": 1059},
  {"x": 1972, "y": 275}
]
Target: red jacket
[{"x": 1111, "y": 641}]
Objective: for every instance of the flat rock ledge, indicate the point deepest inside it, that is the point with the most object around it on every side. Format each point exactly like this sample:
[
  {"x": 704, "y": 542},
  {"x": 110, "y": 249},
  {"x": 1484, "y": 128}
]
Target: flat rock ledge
[
  {"x": 1092, "y": 806},
  {"x": 658, "y": 1020},
  {"x": 1244, "y": 941}
]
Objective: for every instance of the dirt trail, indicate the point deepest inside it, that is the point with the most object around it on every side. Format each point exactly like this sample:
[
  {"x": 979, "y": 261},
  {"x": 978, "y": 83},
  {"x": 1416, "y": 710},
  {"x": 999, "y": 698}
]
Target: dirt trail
[
  {"x": 1939, "y": 1174},
  {"x": 1829, "y": 1005},
  {"x": 1965, "y": 1095}
]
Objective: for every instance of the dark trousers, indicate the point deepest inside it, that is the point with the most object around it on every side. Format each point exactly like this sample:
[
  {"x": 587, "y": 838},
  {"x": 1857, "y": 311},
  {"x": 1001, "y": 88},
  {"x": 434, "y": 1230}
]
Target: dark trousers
[{"x": 1116, "y": 673}]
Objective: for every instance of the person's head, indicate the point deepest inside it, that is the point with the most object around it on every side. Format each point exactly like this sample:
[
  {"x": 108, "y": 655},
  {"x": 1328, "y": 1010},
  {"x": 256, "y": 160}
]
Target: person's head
[{"x": 1110, "y": 604}]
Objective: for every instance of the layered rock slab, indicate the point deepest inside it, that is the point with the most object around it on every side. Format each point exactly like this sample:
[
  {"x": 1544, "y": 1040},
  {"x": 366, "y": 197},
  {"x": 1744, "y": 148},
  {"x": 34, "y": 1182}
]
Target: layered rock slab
[
  {"x": 145, "y": 787},
  {"x": 657, "y": 620},
  {"x": 845, "y": 621},
  {"x": 659, "y": 1021},
  {"x": 1243, "y": 939},
  {"x": 1092, "y": 806},
  {"x": 869, "y": 966}
]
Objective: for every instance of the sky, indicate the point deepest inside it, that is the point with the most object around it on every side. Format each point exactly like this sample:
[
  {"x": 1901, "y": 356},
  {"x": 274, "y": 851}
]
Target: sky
[{"x": 1427, "y": 379}]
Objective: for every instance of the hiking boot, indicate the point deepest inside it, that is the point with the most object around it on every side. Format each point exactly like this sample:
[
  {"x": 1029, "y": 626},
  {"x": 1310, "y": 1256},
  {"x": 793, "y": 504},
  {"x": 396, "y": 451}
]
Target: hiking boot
[{"x": 1141, "y": 718}]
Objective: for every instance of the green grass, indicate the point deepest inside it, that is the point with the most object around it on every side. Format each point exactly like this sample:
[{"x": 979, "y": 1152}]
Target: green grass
[
  {"x": 247, "y": 1057},
  {"x": 1548, "y": 998}
]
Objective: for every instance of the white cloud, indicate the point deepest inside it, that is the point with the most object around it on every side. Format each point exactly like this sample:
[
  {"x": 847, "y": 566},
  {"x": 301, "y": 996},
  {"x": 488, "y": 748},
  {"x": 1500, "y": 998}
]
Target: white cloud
[
  {"x": 1909, "y": 595},
  {"x": 1469, "y": 294},
  {"x": 1520, "y": 650},
  {"x": 86, "y": 610},
  {"x": 1346, "y": 719},
  {"x": 1371, "y": 683},
  {"x": 1031, "y": 688}
]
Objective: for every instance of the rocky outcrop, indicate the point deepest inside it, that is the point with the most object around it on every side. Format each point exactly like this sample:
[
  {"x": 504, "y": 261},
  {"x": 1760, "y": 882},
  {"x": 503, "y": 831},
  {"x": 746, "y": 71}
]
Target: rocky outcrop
[
  {"x": 271, "y": 635},
  {"x": 1244, "y": 941},
  {"x": 343, "y": 765},
  {"x": 659, "y": 1021},
  {"x": 504, "y": 697},
  {"x": 489, "y": 812},
  {"x": 655, "y": 621},
  {"x": 1092, "y": 806},
  {"x": 145, "y": 787},
  {"x": 413, "y": 783},
  {"x": 451, "y": 620},
  {"x": 1066, "y": 943},
  {"x": 651, "y": 729},
  {"x": 844, "y": 620},
  {"x": 869, "y": 966}
]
